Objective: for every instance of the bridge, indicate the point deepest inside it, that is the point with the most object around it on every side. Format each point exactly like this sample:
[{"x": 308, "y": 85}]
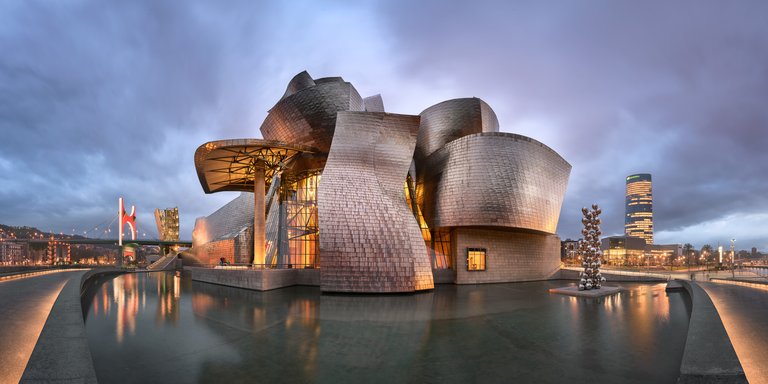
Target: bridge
[{"x": 183, "y": 243}]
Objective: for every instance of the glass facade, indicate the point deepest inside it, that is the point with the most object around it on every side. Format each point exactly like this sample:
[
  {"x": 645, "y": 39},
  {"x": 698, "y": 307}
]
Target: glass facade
[
  {"x": 167, "y": 222},
  {"x": 301, "y": 221},
  {"x": 438, "y": 240},
  {"x": 622, "y": 252},
  {"x": 292, "y": 224},
  {"x": 441, "y": 249},
  {"x": 638, "y": 219}
]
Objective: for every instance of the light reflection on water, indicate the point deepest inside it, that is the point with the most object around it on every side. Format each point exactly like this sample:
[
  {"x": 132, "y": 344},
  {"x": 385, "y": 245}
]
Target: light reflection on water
[{"x": 186, "y": 331}]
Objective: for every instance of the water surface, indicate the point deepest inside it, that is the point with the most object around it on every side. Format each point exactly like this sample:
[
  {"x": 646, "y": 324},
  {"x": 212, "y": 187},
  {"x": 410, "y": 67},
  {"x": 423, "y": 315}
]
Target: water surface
[{"x": 157, "y": 327}]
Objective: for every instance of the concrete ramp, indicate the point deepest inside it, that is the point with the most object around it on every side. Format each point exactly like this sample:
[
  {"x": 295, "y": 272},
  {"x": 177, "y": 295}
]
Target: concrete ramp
[{"x": 167, "y": 262}]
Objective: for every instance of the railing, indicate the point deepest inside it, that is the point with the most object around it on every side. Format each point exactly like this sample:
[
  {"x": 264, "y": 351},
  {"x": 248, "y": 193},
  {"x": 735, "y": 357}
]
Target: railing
[
  {"x": 744, "y": 283},
  {"x": 241, "y": 266},
  {"x": 19, "y": 275},
  {"x": 622, "y": 272}
]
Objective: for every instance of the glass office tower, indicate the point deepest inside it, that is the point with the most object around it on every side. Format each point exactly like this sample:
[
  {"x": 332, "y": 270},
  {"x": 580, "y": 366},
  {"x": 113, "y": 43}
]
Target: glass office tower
[{"x": 638, "y": 220}]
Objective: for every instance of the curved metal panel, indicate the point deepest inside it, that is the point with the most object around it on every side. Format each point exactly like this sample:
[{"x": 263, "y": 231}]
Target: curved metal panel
[
  {"x": 301, "y": 81},
  {"x": 374, "y": 104},
  {"x": 308, "y": 116},
  {"x": 494, "y": 180},
  {"x": 450, "y": 120},
  {"x": 370, "y": 241}
]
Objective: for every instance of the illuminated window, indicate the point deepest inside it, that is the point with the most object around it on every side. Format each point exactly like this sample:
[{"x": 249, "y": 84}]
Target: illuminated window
[{"x": 475, "y": 259}]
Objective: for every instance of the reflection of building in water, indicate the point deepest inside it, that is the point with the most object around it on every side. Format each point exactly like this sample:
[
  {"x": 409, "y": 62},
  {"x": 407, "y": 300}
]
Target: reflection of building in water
[
  {"x": 297, "y": 311},
  {"x": 168, "y": 288},
  {"x": 126, "y": 298},
  {"x": 383, "y": 202}
]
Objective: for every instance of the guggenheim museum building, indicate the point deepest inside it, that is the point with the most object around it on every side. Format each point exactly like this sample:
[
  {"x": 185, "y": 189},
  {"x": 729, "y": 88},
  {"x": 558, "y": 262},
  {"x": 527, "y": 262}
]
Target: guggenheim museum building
[{"x": 372, "y": 201}]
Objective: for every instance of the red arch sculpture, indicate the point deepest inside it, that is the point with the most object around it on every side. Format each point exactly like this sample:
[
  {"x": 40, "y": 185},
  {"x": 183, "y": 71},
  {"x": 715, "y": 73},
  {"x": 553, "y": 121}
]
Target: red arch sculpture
[{"x": 124, "y": 218}]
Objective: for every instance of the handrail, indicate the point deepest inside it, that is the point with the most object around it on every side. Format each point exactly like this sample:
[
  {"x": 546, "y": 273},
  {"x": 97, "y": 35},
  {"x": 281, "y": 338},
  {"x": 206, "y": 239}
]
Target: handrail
[
  {"x": 620, "y": 272},
  {"x": 743, "y": 283},
  {"x": 19, "y": 275},
  {"x": 237, "y": 266}
]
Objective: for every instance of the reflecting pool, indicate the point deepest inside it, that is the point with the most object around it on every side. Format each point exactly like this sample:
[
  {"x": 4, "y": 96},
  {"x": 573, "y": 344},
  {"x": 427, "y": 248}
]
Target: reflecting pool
[{"x": 158, "y": 327}]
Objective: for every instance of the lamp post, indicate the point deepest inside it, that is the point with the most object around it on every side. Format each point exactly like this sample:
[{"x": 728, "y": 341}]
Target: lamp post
[{"x": 733, "y": 264}]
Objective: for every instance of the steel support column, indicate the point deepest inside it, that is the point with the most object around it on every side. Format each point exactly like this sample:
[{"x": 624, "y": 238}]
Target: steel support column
[{"x": 259, "y": 216}]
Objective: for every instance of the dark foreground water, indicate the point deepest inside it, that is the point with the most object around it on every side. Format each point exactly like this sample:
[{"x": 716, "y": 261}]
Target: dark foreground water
[{"x": 159, "y": 328}]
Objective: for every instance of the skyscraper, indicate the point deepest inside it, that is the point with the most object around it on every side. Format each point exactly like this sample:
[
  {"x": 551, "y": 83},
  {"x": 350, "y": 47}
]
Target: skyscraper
[{"x": 638, "y": 220}]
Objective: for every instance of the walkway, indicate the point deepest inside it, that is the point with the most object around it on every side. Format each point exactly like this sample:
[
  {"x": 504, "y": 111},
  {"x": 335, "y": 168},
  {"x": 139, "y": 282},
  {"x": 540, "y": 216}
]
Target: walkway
[
  {"x": 744, "y": 312},
  {"x": 24, "y": 307}
]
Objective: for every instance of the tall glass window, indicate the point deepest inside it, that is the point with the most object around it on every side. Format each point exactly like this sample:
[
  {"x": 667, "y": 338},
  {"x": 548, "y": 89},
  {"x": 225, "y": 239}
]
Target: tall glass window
[
  {"x": 441, "y": 248},
  {"x": 301, "y": 224},
  {"x": 438, "y": 241}
]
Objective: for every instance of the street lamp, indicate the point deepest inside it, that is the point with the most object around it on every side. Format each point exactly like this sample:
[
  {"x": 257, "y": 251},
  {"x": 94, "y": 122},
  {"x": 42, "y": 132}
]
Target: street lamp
[{"x": 733, "y": 261}]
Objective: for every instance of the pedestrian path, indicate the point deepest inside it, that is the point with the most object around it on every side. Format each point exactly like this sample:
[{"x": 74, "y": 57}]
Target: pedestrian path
[
  {"x": 744, "y": 311},
  {"x": 24, "y": 307}
]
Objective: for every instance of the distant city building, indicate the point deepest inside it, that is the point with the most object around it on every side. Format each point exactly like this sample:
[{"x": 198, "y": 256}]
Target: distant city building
[
  {"x": 167, "y": 222},
  {"x": 569, "y": 250},
  {"x": 628, "y": 250},
  {"x": 12, "y": 252},
  {"x": 638, "y": 220},
  {"x": 623, "y": 250},
  {"x": 665, "y": 253}
]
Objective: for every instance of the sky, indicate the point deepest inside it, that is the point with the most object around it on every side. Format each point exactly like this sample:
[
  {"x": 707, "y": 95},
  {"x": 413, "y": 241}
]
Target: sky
[{"x": 101, "y": 99}]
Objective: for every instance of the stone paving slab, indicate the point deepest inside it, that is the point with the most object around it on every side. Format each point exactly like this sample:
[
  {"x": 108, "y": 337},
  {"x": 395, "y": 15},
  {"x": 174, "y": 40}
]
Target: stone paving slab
[{"x": 574, "y": 291}]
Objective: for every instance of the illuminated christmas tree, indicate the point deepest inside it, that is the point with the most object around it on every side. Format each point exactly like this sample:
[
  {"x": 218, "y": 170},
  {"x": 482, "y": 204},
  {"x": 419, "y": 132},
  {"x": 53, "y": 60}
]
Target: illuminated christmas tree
[{"x": 589, "y": 249}]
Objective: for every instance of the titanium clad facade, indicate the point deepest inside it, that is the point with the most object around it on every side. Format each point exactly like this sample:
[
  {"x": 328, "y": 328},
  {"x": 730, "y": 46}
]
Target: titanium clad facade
[
  {"x": 225, "y": 233},
  {"x": 384, "y": 202},
  {"x": 374, "y": 104},
  {"x": 370, "y": 240},
  {"x": 450, "y": 120},
  {"x": 494, "y": 180},
  {"x": 638, "y": 219},
  {"x": 308, "y": 115}
]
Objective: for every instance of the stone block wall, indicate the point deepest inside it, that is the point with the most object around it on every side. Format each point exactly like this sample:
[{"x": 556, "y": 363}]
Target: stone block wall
[
  {"x": 510, "y": 256},
  {"x": 256, "y": 279}
]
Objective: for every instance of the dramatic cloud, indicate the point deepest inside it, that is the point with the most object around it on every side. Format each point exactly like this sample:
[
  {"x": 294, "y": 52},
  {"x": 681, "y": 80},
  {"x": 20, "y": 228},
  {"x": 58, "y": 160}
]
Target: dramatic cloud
[{"x": 102, "y": 99}]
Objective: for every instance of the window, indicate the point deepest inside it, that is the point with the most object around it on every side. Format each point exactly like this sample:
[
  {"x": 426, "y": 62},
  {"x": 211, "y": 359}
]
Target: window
[{"x": 475, "y": 259}]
